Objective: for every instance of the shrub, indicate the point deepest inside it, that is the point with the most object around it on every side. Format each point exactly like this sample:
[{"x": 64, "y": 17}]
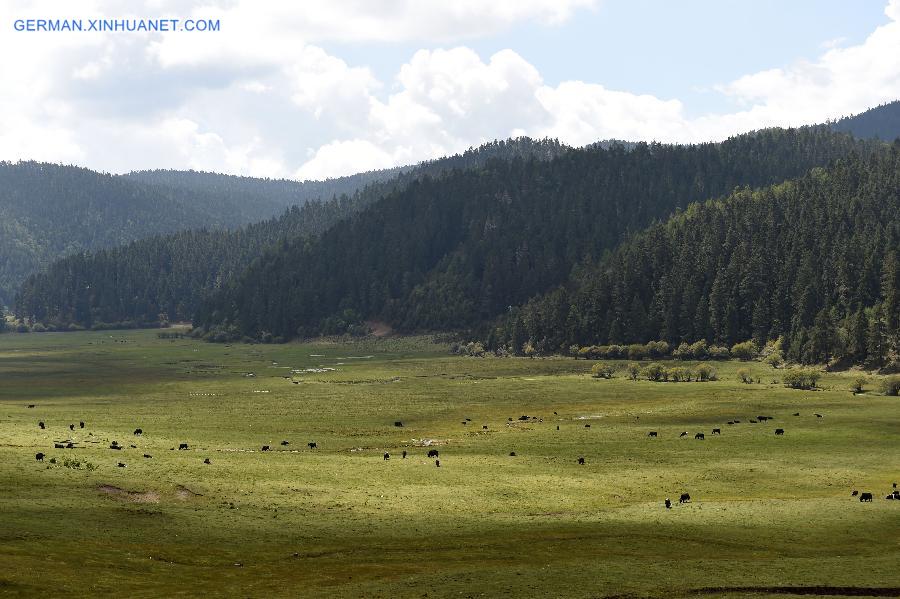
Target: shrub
[
  {"x": 745, "y": 375},
  {"x": 891, "y": 385},
  {"x": 474, "y": 349},
  {"x": 699, "y": 350},
  {"x": 528, "y": 349},
  {"x": 38, "y": 328},
  {"x": 858, "y": 384},
  {"x": 636, "y": 351},
  {"x": 705, "y": 372},
  {"x": 601, "y": 370},
  {"x": 719, "y": 352},
  {"x": 615, "y": 352},
  {"x": 655, "y": 372},
  {"x": 799, "y": 378},
  {"x": 775, "y": 359},
  {"x": 657, "y": 349},
  {"x": 22, "y": 328},
  {"x": 679, "y": 374},
  {"x": 744, "y": 351},
  {"x": 682, "y": 352},
  {"x": 634, "y": 371}
]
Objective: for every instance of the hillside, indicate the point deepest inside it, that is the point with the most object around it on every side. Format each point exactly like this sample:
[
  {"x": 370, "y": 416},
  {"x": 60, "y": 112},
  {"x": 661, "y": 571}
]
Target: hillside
[
  {"x": 814, "y": 261},
  {"x": 454, "y": 251},
  {"x": 881, "y": 122},
  {"x": 170, "y": 274}
]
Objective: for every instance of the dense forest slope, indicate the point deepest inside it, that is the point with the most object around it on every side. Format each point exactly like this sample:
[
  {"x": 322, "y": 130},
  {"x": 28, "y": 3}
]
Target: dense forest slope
[
  {"x": 454, "y": 251},
  {"x": 166, "y": 276},
  {"x": 815, "y": 261},
  {"x": 882, "y": 122}
]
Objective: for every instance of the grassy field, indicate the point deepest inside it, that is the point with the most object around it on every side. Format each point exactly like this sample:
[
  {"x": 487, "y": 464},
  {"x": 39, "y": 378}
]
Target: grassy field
[{"x": 767, "y": 512}]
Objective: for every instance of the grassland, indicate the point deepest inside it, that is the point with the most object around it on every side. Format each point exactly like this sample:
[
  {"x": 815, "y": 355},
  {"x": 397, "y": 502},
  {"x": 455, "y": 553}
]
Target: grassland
[{"x": 767, "y": 512}]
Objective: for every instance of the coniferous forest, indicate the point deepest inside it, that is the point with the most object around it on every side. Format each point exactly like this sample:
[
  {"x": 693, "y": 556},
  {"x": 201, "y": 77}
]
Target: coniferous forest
[{"x": 787, "y": 235}]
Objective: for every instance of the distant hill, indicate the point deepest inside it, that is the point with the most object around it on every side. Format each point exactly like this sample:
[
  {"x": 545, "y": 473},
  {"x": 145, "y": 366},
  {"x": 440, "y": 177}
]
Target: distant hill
[
  {"x": 171, "y": 274},
  {"x": 814, "y": 261},
  {"x": 882, "y": 122},
  {"x": 457, "y": 250},
  {"x": 272, "y": 195}
]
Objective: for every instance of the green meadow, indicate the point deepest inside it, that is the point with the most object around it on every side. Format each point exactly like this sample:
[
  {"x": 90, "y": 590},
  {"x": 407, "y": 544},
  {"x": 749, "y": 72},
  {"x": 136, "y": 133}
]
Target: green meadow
[{"x": 767, "y": 512}]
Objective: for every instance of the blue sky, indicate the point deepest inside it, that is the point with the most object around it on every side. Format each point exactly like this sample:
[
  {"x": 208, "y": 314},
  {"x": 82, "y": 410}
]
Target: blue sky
[{"x": 329, "y": 87}]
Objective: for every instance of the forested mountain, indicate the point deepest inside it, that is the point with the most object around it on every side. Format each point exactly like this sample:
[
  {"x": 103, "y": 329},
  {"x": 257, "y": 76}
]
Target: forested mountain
[
  {"x": 273, "y": 195},
  {"x": 169, "y": 275},
  {"x": 49, "y": 210},
  {"x": 453, "y": 251},
  {"x": 815, "y": 261},
  {"x": 882, "y": 122}
]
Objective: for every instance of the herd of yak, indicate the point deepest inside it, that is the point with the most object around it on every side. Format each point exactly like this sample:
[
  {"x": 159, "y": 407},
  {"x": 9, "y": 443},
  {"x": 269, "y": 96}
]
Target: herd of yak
[{"x": 865, "y": 496}]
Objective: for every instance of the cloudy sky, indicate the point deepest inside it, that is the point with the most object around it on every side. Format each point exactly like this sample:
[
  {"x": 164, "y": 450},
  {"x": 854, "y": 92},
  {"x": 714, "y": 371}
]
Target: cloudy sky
[{"x": 321, "y": 88}]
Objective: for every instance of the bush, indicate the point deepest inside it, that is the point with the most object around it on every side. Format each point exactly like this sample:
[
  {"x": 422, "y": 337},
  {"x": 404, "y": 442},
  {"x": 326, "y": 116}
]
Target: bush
[
  {"x": 679, "y": 374},
  {"x": 38, "y": 328},
  {"x": 719, "y": 352},
  {"x": 22, "y": 328},
  {"x": 682, "y": 352},
  {"x": 744, "y": 351},
  {"x": 636, "y": 351},
  {"x": 474, "y": 349},
  {"x": 705, "y": 372},
  {"x": 657, "y": 349},
  {"x": 745, "y": 375},
  {"x": 601, "y": 370},
  {"x": 699, "y": 350},
  {"x": 655, "y": 372},
  {"x": 615, "y": 352},
  {"x": 775, "y": 359},
  {"x": 798, "y": 378},
  {"x": 891, "y": 386},
  {"x": 634, "y": 371}
]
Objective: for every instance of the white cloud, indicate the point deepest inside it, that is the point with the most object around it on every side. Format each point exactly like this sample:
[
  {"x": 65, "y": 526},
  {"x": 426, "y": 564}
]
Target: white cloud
[{"x": 264, "y": 96}]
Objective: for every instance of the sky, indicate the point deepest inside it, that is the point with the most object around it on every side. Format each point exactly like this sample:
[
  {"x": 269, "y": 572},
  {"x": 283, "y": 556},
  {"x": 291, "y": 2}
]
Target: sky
[{"x": 323, "y": 88}]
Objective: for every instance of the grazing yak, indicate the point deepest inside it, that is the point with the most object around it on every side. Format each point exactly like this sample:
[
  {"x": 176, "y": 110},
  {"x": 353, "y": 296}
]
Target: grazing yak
[
  {"x": 312, "y": 445},
  {"x": 700, "y": 436},
  {"x": 717, "y": 431},
  {"x": 70, "y": 445},
  {"x": 42, "y": 425},
  {"x": 433, "y": 453},
  {"x": 398, "y": 423},
  {"x": 819, "y": 416},
  {"x": 39, "y": 457},
  {"x": 652, "y": 434},
  {"x": 285, "y": 443},
  {"x": 58, "y": 446},
  {"x": 71, "y": 427},
  {"x": 206, "y": 461},
  {"x": 685, "y": 498},
  {"x": 265, "y": 448},
  {"x": 865, "y": 496},
  {"x": 484, "y": 427},
  {"x": 683, "y": 434},
  {"x": 81, "y": 424},
  {"x": 581, "y": 461},
  {"x": 854, "y": 493},
  {"x": 796, "y": 413},
  {"x": 147, "y": 455},
  {"x": 31, "y": 405},
  {"x": 115, "y": 446},
  {"x": 779, "y": 431},
  {"x": 512, "y": 454},
  {"x": 404, "y": 454},
  {"x": 587, "y": 426},
  {"x": 121, "y": 465},
  {"x": 138, "y": 432},
  {"x": 387, "y": 456},
  {"x": 668, "y": 503},
  {"x": 182, "y": 446},
  {"x": 437, "y": 463}
]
